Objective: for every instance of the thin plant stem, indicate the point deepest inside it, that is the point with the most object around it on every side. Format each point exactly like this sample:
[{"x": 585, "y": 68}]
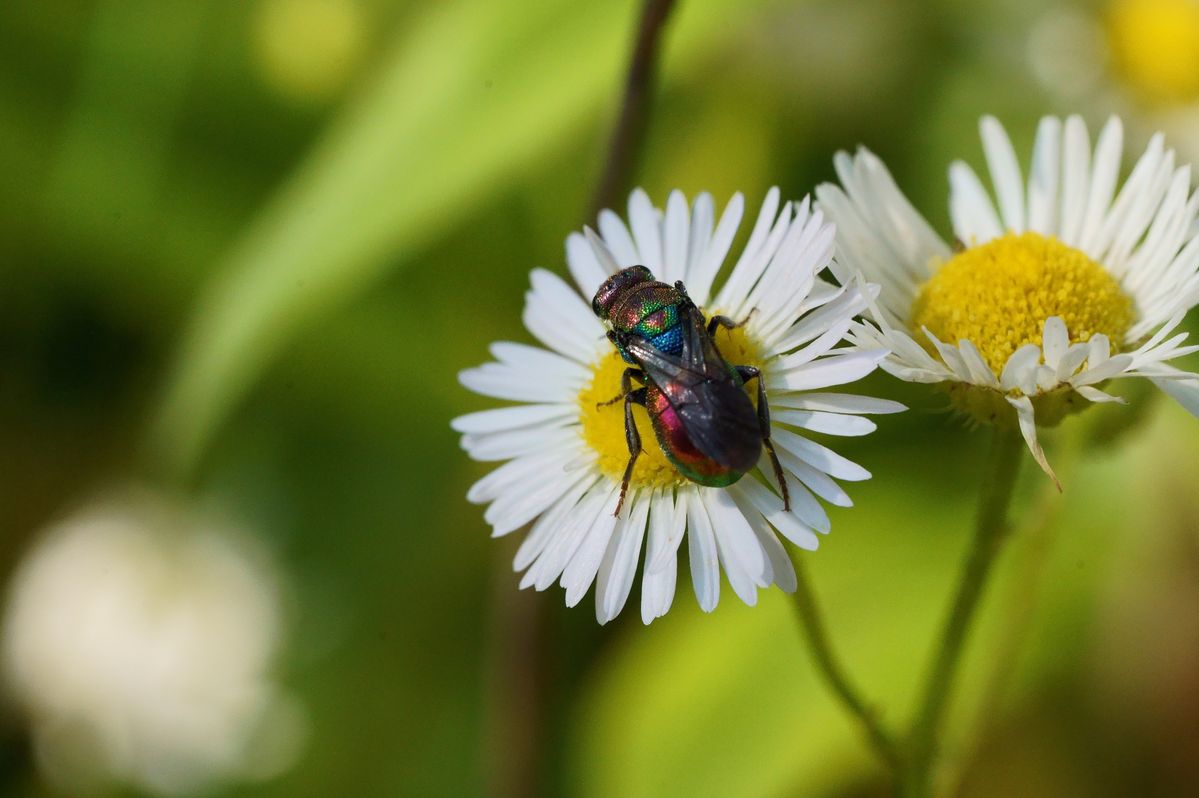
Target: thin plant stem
[
  {"x": 1007, "y": 451},
  {"x": 625, "y": 145},
  {"x": 1018, "y": 604},
  {"x": 518, "y": 696},
  {"x": 833, "y": 672}
]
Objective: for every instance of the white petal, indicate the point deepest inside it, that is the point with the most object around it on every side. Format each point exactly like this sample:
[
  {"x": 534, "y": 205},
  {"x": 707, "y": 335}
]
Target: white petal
[
  {"x": 552, "y": 523},
  {"x": 980, "y": 372},
  {"x": 731, "y": 542},
  {"x": 583, "y": 566},
  {"x": 1075, "y": 356},
  {"x": 820, "y": 457},
  {"x": 504, "y": 382},
  {"x": 803, "y": 504},
  {"x": 1098, "y": 396},
  {"x": 516, "y": 508},
  {"x": 847, "y": 303},
  {"x": 618, "y": 240},
  {"x": 1076, "y": 180},
  {"x": 1043, "y": 177},
  {"x": 702, "y": 215},
  {"x": 770, "y": 505},
  {"x": 1005, "y": 172},
  {"x": 619, "y": 565},
  {"x": 902, "y": 228},
  {"x": 604, "y": 258},
  {"x": 676, "y": 230},
  {"x": 505, "y": 418},
  {"x": 834, "y": 335},
  {"x": 829, "y": 371},
  {"x": 1020, "y": 370},
  {"x": 705, "y": 271},
  {"x": 560, "y": 319},
  {"x": 674, "y": 535},
  {"x": 781, "y": 295},
  {"x": 705, "y": 562},
  {"x": 562, "y": 546},
  {"x": 1135, "y": 207},
  {"x": 515, "y": 472},
  {"x": 973, "y": 215},
  {"x": 1125, "y": 220},
  {"x": 828, "y": 423},
  {"x": 951, "y": 357},
  {"x": 493, "y": 446},
  {"x": 1101, "y": 349},
  {"x": 782, "y": 572},
  {"x": 1106, "y": 370},
  {"x": 1104, "y": 176},
  {"x": 1184, "y": 390},
  {"x": 837, "y": 403},
  {"x": 734, "y": 536},
  {"x": 1054, "y": 341},
  {"x": 817, "y": 481},
  {"x": 584, "y": 266},
  {"x": 763, "y": 242},
  {"x": 1028, "y": 428},
  {"x": 657, "y": 586},
  {"x": 643, "y": 219}
]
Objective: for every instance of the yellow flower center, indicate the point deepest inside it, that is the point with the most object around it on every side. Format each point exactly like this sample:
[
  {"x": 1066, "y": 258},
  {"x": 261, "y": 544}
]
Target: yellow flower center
[
  {"x": 999, "y": 294},
  {"x": 1156, "y": 45},
  {"x": 603, "y": 425}
]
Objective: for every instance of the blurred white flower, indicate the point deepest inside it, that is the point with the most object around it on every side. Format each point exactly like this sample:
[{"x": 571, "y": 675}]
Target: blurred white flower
[{"x": 139, "y": 638}]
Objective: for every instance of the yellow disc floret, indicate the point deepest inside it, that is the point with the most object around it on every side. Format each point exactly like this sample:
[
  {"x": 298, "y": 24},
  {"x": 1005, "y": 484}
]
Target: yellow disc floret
[
  {"x": 1156, "y": 46},
  {"x": 603, "y": 424},
  {"x": 998, "y": 295}
]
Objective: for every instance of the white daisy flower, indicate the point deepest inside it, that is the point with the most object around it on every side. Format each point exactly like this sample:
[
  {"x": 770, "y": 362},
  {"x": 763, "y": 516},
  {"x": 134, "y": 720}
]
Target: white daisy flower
[
  {"x": 140, "y": 640},
  {"x": 566, "y": 452},
  {"x": 1076, "y": 280}
]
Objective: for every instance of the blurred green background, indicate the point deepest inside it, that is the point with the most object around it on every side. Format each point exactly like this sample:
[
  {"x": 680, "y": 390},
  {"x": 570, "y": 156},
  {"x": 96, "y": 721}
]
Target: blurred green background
[{"x": 246, "y": 247}]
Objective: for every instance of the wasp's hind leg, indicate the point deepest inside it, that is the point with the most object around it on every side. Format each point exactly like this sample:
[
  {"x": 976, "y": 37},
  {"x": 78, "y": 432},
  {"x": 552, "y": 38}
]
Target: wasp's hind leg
[
  {"x": 626, "y": 385},
  {"x": 748, "y": 373},
  {"x": 632, "y": 437}
]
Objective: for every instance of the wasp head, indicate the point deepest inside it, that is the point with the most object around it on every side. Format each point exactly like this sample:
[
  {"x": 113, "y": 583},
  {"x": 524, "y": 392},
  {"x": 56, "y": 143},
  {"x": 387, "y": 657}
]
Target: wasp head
[{"x": 615, "y": 286}]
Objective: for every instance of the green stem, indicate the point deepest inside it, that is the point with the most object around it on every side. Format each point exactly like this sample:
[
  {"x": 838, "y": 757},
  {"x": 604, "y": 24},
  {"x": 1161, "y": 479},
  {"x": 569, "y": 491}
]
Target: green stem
[
  {"x": 631, "y": 126},
  {"x": 833, "y": 672},
  {"x": 1007, "y": 451},
  {"x": 1018, "y": 606}
]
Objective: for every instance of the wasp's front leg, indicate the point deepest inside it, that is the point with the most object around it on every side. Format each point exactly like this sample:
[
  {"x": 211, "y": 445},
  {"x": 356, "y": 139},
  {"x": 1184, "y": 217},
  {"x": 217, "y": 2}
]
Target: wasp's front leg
[
  {"x": 748, "y": 373},
  {"x": 727, "y": 323},
  {"x": 626, "y": 385},
  {"x": 632, "y": 437}
]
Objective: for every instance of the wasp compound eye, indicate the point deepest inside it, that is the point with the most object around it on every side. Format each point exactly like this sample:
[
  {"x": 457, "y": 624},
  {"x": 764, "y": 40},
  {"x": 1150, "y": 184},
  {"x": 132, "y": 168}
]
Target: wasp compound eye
[{"x": 615, "y": 286}]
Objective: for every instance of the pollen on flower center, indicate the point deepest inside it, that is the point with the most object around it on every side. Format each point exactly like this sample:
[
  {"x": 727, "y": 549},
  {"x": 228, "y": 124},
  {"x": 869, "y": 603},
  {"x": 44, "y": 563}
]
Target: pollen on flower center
[
  {"x": 999, "y": 294},
  {"x": 603, "y": 426}
]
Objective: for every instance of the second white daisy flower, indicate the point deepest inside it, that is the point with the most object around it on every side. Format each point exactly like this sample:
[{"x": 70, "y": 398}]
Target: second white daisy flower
[
  {"x": 1075, "y": 279},
  {"x": 565, "y": 447}
]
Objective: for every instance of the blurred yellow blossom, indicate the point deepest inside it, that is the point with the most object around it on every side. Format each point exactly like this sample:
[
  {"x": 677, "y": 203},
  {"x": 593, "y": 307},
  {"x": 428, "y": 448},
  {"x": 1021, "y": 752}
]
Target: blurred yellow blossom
[{"x": 307, "y": 50}]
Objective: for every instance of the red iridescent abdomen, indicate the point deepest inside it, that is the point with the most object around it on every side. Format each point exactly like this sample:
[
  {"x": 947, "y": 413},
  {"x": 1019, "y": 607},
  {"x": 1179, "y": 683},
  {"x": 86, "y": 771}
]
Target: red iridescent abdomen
[{"x": 677, "y": 446}]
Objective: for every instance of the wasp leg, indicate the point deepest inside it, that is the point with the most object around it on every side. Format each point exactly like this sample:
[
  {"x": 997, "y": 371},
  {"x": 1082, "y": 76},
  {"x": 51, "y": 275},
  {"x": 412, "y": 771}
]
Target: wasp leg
[
  {"x": 748, "y": 373},
  {"x": 626, "y": 385},
  {"x": 727, "y": 323},
  {"x": 632, "y": 438}
]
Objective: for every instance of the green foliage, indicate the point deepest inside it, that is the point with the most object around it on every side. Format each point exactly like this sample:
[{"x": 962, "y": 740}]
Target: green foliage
[{"x": 283, "y": 294}]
